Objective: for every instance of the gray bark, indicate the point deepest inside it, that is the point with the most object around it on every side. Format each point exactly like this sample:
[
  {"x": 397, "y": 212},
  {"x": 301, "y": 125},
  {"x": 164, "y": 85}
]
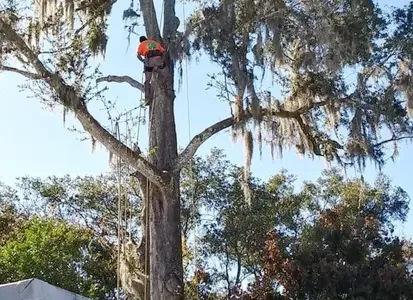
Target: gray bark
[{"x": 166, "y": 271}]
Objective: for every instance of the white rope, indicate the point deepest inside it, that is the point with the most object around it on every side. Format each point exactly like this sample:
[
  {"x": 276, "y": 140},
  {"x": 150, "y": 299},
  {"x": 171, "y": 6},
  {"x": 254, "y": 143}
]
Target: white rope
[{"x": 119, "y": 216}]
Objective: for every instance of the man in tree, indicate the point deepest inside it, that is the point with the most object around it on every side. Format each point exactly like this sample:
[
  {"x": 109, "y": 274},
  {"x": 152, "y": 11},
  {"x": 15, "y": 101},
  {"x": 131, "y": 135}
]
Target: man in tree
[{"x": 151, "y": 53}]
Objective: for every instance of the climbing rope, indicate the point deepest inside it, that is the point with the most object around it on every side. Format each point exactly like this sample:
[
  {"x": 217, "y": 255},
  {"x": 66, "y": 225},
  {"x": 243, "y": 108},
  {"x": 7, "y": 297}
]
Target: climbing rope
[
  {"x": 187, "y": 80},
  {"x": 125, "y": 220},
  {"x": 140, "y": 113},
  {"x": 119, "y": 214},
  {"x": 128, "y": 220},
  {"x": 362, "y": 191},
  {"x": 146, "y": 200},
  {"x": 191, "y": 173},
  {"x": 146, "y": 204}
]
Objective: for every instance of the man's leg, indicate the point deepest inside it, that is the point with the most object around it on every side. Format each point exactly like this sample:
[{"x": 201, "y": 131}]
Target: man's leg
[
  {"x": 147, "y": 87},
  {"x": 151, "y": 64},
  {"x": 158, "y": 63}
]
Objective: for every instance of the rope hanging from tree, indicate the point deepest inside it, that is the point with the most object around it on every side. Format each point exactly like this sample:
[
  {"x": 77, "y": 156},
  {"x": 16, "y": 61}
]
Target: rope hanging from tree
[
  {"x": 141, "y": 108},
  {"x": 119, "y": 214},
  {"x": 191, "y": 173},
  {"x": 148, "y": 185}
]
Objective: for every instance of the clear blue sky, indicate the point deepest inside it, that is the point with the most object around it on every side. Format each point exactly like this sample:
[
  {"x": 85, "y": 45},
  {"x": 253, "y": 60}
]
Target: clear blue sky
[{"x": 34, "y": 141}]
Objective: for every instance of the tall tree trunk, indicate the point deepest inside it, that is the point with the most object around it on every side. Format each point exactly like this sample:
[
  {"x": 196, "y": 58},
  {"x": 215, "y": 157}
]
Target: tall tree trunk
[{"x": 166, "y": 271}]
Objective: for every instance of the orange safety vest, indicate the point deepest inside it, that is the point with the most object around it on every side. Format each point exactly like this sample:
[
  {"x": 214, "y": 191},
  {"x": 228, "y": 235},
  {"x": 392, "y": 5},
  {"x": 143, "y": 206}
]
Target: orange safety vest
[{"x": 149, "y": 45}]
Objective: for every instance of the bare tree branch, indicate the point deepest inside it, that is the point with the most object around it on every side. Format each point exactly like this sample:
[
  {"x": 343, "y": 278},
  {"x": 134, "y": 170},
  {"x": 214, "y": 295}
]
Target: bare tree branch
[
  {"x": 393, "y": 139},
  {"x": 306, "y": 131},
  {"x": 200, "y": 138},
  {"x": 122, "y": 79},
  {"x": 21, "y": 72},
  {"x": 11, "y": 35},
  {"x": 70, "y": 99}
]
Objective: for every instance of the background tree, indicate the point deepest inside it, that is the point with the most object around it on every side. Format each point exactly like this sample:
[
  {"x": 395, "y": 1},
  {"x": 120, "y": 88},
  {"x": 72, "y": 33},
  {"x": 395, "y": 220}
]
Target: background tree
[
  {"x": 92, "y": 204},
  {"x": 333, "y": 238},
  {"x": 10, "y": 218},
  {"x": 306, "y": 46},
  {"x": 347, "y": 249},
  {"x": 61, "y": 254},
  {"x": 88, "y": 201}
]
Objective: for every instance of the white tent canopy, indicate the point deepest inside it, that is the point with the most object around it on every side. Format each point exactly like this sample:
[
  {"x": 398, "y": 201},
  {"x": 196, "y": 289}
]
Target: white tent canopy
[{"x": 35, "y": 289}]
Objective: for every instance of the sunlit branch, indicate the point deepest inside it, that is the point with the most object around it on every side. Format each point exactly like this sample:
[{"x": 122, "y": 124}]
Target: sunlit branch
[
  {"x": 21, "y": 72},
  {"x": 122, "y": 79},
  {"x": 394, "y": 139}
]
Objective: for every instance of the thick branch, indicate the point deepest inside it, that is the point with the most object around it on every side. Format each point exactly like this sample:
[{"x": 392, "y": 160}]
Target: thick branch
[
  {"x": 314, "y": 144},
  {"x": 171, "y": 22},
  {"x": 21, "y": 72},
  {"x": 306, "y": 131},
  {"x": 91, "y": 125},
  {"x": 11, "y": 35},
  {"x": 149, "y": 19},
  {"x": 122, "y": 79},
  {"x": 74, "y": 102},
  {"x": 200, "y": 138}
]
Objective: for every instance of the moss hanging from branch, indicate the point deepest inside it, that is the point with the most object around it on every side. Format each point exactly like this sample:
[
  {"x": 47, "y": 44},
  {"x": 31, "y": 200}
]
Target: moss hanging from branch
[
  {"x": 96, "y": 38},
  {"x": 405, "y": 83},
  {"x": 59, "y": 17}
]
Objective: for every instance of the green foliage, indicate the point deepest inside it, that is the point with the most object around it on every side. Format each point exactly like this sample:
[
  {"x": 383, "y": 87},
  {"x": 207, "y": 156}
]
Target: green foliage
[
  {"x": 312, "y": 243},
  {"x": 345, "y": 250},
  {"x": 233, "y": 231},
  {"x": 90, "y": 201},
  {"x": 96, "y": 38},
  {"x": 10, "y": 219},
  {"x": 401, "y": 41},
  {"x": 60, "y": 254},
  {"x": 74, "y": 257}
]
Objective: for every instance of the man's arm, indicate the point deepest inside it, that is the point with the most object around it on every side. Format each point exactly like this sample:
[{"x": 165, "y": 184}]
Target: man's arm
[
  {"x": 139, "y": 53},
  {"x": 162, "y": 49}
]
